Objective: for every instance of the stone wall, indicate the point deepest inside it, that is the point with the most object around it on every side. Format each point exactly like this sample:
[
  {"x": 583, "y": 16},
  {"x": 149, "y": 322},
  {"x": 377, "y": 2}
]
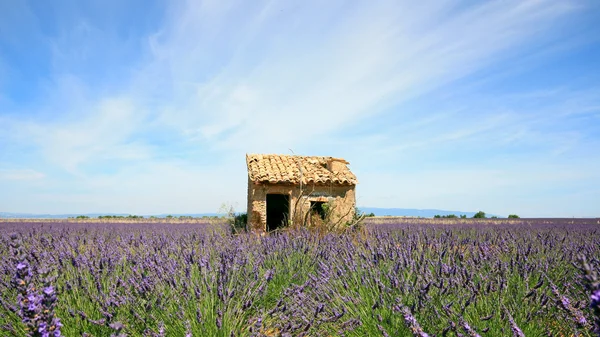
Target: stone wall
[{"x": 342, "y": 198}]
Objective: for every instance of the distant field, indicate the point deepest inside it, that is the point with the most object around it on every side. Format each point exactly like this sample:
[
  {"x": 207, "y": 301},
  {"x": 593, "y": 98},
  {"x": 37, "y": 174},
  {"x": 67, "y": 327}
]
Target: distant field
[
  {"x": 399, "y": 277},
  {"x": 536, "y": 222}
]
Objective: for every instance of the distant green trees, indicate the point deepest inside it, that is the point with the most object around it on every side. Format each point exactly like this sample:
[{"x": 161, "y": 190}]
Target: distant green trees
[
  {"x": 120, "y": 217},
  {"x": 479, "y": 215},
  {"x": 240, "y": 220},
  {"x": 449, "y": 216},
  {"x": 358, "y": 214}
]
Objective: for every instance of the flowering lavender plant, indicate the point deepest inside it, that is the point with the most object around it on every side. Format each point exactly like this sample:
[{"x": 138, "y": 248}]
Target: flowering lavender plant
[
  {"x": 396, "y": 276},
  {"x": 412, "y": 323},
  {"x": 36, "y": 309},
  {"x": 593, "y": 286}
]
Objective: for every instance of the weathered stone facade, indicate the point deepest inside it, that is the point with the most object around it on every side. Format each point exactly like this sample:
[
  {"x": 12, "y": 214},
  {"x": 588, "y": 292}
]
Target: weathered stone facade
[{"x": 301, "y": 182}]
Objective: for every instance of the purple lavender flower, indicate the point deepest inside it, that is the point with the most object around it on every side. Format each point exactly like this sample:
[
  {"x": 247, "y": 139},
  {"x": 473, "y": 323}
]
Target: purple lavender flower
[
  {"x": 188, "y": 329},
  {"x": 219, "y": 319},
  {"x": 412, "y": 323},
  {"x": 566, "y": 305},
  {"x": 161, "y": 330},
  {"x": 468, "y": 329},
  {"x": 513, "y": 325},
  {"x": 593, "y": 285},
  {"x": 269, "y": 275},
  {"x": 595, "y": 299},
  {"x": 116, "y": 326},
  {"x": 383, "y": 331},
  {"x": 35, "y": 309},
  {"x": 51, "y": 329}
]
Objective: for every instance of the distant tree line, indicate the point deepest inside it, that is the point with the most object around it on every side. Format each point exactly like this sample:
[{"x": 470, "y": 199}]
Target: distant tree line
[
  {"x": 478, "y": 215},
  {"x": 120, "y": 217},
  {"x": 450, "y": 216}
]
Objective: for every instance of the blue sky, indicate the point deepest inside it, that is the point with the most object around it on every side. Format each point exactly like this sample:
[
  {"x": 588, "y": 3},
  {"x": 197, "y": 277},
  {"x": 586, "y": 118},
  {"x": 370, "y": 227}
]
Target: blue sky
[{"x": 149, "y": 107}]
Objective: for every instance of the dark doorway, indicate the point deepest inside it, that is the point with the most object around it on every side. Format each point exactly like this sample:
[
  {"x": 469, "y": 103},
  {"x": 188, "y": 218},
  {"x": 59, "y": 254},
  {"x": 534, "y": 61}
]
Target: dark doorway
[
  {"x": 316, "y": 207},
  {"x": 278, "y": 210}
]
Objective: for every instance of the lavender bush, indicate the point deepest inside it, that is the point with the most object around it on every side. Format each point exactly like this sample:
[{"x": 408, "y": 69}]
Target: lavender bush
[{"x": 397, "y": 278}]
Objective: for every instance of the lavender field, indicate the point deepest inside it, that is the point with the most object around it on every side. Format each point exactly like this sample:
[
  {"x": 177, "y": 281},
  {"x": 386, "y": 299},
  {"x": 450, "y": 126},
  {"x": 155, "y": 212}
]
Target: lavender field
[{"x": 406, "y": 277}]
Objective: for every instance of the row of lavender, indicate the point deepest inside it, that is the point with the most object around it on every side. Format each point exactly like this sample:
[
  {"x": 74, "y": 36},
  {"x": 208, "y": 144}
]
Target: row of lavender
[{"x": 407, "y": 278}]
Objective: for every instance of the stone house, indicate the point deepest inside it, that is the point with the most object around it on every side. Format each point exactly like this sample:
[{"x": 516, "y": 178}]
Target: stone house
[{"x": 285, "y": 187}]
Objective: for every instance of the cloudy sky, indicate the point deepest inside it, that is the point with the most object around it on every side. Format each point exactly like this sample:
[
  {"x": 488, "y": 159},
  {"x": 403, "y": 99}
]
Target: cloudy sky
[{"x": 149, "y": 107}]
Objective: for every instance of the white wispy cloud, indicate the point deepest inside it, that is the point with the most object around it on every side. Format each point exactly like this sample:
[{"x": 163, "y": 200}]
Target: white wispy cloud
[
  {"x": 281, "y": 76},
  {"x": 20, "y": 174},
  {"x": 98, "y": 136}
]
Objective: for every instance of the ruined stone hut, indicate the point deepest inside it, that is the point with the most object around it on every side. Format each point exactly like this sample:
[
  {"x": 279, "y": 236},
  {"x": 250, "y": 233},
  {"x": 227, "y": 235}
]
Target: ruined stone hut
[{"x": 285, "y": 187}]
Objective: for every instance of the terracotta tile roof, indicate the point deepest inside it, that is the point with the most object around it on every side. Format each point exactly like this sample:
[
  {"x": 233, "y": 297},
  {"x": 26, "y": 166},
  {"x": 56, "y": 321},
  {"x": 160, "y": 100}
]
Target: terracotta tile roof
[{"x": 275, "y": 168}]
